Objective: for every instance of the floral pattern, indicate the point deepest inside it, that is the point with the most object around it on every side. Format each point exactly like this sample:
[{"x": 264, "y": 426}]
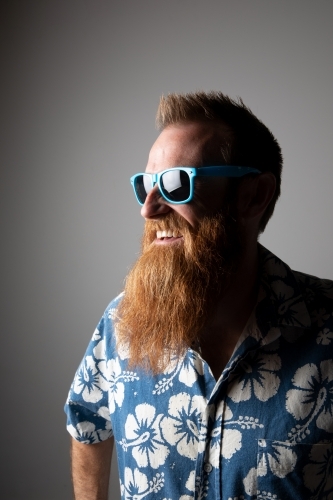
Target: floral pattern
[
  {"x": 187, "y": 370},
  {"x": 184, "y": 427},
  {"x": 324, "y": 337},
  {"x": 318, "y": 473},
  {"x": 265, "y": 426},
  {"x": 257, "y": 376},
  {"x": 143, "y": 435},
  {"x": 89, "y": 382},
  {"x": 311, "y": 399},
  {"x": 87, "y": 433},
  {"x": 136, "y": 485},
  {"x": 278, "y": 457}
]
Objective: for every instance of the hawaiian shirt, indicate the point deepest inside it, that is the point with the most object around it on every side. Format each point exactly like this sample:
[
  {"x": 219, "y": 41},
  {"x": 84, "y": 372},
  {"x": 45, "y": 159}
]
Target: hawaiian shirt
[{"x": 264, "y": 430}]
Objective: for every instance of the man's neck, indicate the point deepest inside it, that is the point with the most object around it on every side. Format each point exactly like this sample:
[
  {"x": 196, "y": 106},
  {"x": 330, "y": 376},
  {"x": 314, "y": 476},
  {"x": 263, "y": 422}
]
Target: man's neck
[{"x": 220, "y": 335}]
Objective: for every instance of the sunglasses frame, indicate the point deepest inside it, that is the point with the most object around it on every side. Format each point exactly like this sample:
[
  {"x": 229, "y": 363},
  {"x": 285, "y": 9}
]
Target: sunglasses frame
[{"x": 211, "y": 171}]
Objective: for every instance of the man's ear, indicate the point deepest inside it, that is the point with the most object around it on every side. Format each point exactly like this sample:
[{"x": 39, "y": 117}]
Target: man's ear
[{"x": 254, "y": 195}]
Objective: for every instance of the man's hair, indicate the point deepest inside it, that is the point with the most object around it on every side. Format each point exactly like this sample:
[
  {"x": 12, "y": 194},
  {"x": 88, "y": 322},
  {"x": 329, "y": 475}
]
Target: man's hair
[{"x": 251, "y": 143}]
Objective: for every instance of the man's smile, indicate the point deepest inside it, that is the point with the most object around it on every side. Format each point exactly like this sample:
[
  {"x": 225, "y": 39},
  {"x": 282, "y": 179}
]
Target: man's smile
[{"x": 168, "y": 236}]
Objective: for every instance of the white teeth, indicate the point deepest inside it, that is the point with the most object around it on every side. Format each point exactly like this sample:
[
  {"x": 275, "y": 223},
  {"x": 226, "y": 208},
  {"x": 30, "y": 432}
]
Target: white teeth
[{"x": 167, "y": 234}]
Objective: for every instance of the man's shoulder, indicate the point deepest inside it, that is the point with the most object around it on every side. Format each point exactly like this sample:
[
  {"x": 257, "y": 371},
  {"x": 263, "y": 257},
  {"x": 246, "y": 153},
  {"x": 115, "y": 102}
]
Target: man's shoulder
[
  {"x": 314, "y": 287},
  {"x": 111, "y": 310},
  {"x": 106, "y": 327},
  {"x": 300, "y": 299},
  {"x": 310, "y": 286}
]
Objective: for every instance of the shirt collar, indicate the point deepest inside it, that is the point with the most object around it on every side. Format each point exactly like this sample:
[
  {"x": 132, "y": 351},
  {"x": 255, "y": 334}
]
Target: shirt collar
[{"x": 280, "y": 300}]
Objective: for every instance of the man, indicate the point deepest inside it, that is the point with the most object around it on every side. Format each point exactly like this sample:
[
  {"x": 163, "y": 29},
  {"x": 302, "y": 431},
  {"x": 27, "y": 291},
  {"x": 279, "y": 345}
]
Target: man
[{"x": 213, "y": 372}]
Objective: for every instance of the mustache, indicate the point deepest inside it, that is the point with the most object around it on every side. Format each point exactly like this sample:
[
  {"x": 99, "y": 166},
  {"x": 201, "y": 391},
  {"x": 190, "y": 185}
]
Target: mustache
[{"x": 171, "y": 221}]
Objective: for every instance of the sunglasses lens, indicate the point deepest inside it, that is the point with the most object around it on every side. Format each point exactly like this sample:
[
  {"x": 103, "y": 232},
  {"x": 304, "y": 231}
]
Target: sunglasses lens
[
  {"x": 142, "y": 186},
  {"x": 175, "y": 185}
]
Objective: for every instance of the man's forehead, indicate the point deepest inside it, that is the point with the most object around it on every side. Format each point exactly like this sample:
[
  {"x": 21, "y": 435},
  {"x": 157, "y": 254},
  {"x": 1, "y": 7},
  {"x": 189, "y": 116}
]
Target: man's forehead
[{"x": 186, "y": 144}]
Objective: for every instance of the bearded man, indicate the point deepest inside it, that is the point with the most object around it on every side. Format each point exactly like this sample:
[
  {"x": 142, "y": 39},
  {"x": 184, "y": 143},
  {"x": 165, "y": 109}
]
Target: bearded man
[{"x": 213, "y": 371}]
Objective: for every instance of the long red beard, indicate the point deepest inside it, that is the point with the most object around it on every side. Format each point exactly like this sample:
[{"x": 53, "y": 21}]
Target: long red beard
[{"x": 172, "y": 289}]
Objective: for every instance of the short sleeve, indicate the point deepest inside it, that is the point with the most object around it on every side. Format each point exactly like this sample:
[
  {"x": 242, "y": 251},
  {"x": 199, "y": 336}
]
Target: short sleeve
[{"x": 87, "y": 405}]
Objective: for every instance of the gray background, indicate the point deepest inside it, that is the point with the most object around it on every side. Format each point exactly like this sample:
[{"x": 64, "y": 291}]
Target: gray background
[{"x": 79, "y": 89}]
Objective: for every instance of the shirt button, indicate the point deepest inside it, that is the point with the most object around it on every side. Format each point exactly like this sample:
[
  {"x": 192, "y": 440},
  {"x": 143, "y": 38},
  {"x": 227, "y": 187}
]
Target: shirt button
[{"x": 207, "y": 468}]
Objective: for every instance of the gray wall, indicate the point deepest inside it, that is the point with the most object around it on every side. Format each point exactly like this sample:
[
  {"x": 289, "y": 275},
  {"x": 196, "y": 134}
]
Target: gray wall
[{"x": 80, "y": 85}]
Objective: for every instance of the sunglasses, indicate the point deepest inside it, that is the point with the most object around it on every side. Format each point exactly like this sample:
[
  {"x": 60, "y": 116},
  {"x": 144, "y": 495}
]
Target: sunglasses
[{"x": 176, "y": 184}]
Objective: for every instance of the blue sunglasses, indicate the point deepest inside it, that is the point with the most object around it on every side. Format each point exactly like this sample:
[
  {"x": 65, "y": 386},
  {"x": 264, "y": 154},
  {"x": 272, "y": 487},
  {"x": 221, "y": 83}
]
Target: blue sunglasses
[{"x": 176, "y": 184}]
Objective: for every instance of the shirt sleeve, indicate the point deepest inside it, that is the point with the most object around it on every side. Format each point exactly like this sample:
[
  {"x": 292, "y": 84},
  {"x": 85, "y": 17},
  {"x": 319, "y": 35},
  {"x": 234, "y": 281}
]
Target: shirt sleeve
[{"x": 87, "y": 405}]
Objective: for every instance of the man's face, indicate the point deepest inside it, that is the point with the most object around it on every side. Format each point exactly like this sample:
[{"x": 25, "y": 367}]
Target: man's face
[{"x": 193, "y": 145}]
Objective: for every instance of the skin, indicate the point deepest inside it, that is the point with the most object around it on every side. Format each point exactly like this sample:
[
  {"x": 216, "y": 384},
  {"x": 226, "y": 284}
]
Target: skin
[
  {"x": 193, "y": 144},
  {"x": 183, "y": 145},
  {"x": 91, "y": 469}
]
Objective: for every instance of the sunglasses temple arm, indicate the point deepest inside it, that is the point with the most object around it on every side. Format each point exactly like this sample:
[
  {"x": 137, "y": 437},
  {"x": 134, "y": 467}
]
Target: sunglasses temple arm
[{"x": 225, "y": 171}]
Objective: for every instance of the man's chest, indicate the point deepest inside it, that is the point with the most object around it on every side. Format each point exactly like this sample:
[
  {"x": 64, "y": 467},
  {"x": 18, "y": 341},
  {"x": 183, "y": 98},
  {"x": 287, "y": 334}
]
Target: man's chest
[{"x": 267, "y": 424}]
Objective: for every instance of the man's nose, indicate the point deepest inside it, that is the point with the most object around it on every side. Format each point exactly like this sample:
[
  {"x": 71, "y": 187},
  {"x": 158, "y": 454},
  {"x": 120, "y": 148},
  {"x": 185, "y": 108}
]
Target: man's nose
[{"x": 155, "y": 205}]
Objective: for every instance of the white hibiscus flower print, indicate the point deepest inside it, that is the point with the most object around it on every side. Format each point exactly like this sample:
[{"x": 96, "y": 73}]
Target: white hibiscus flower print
[
  {"x": 85, "y": 432},
  {"x": 324, "y": 287},
  {"x": 112, "y": 373},
  {"x": 185, "y": 428},
  {"x": 103, "y": 412},
  {"x": 89, "y": 382},
  {"x": 171, "y": 371},
  {"x": 192, "y": 367},
  {"x": 250, "y": 481},
  {"x": 231, "y": 442},
  {"x": 100, "y": 350},
  {"x": 275, "y": 457},
  {"x": 256, "y": 376},
  {"x": 288, "y": 305},
  {"x": 278, "y": 456},
  {"x": 232, "y": 437},
  {"x": 318, "y": 474},
  {"x": 188, "y": 368},
  {"x": 136, "y": 485},
  {"x": 324, "y": 337},
  {"x": 143, "y": 435},
  {"x": 96, "y": 335},
  {"x": 197, "y": 485},
  {"x": 111, "y": 370},
  {"x": 311, "y": 399},
  {"x": 320, "y": 316},
  {"x": 97, "y": 377},
  {"x": 190, "y": 485}
]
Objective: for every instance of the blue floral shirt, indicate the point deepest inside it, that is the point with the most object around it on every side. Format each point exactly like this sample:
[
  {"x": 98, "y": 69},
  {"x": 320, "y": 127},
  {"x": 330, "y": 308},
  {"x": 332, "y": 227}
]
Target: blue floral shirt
[{"x": 264, "y": 430}]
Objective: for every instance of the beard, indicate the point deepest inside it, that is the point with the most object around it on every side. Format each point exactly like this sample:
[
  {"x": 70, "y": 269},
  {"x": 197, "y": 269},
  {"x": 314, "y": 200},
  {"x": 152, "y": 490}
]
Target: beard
[{"x": 172, "y": 290}]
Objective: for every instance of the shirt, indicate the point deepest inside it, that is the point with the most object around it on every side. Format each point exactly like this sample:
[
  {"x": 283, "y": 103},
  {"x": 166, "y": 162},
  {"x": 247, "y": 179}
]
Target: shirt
[{"x": 263, "y": 431}]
